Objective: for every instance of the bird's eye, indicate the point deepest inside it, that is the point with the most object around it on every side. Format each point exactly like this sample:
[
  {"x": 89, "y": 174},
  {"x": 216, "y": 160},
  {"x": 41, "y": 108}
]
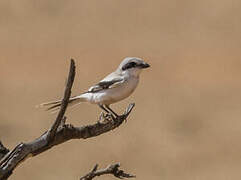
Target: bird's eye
[{"x": 129, "y": 65}]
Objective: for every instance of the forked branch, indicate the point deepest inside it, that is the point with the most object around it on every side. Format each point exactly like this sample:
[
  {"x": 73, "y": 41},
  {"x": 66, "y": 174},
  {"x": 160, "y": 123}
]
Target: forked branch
[
  {"x": 58, "y": 133},
  {"x": 111, "y": 169}
]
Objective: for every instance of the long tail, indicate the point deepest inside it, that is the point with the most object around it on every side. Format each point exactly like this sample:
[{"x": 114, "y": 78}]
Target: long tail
[{"x": 54, "y": 106}]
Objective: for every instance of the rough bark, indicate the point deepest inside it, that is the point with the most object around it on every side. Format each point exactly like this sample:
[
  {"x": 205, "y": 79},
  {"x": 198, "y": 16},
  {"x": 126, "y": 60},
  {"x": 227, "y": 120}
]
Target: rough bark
[
  {"x": 111, "y": 169},
  {"x": 57, "y": 134}
]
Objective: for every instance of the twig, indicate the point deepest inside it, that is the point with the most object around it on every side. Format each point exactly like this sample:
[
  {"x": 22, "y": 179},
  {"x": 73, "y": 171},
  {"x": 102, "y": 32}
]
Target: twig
[
  {"x": 59, "y": 133},
  {"x": 64, "y": 104},
  {"x": 111, "y": 169},
  {"x": 3, "y": 150}
]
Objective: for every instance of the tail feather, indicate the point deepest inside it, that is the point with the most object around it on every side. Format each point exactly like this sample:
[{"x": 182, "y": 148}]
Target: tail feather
[
  {"x": 50, "y": 103},
  {"x": 54, "y": 106}
]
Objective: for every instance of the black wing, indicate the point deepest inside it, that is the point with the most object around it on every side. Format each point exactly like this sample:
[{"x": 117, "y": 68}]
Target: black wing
[{"x": 106, "y": 85}]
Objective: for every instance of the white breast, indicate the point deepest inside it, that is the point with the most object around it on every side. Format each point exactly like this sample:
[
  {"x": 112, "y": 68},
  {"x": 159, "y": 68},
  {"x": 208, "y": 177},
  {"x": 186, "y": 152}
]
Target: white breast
[{"x": 110, "y": 96}]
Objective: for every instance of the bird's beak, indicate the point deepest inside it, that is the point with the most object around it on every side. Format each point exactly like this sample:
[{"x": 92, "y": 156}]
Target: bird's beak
[{"x": 145, "y": 65}]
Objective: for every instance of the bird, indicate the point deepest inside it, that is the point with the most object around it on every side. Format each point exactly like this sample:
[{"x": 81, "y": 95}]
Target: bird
[{"x": 115, "y": 87}]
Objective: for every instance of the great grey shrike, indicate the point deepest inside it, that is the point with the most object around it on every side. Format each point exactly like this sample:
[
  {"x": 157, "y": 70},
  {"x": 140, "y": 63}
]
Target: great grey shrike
[{"x": 115, "y": 87}]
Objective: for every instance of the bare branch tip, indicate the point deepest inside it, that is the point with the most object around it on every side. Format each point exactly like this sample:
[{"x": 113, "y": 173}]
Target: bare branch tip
[
  {"x": 95, "y": 168},
  {"x": 72, "y": 63},
  {"x": 72, "y": 60},
  {"x": 129, "y": 109},
  {"x": 110, "y": 169}
]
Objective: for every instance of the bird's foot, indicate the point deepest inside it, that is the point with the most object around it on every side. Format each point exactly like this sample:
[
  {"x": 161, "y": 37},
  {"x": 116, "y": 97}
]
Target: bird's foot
[{"x": 105, "y": 117}]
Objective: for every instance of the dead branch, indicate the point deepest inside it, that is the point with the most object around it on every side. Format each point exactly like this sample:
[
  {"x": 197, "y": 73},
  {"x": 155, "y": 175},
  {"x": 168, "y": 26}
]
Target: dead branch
[
  {"x": 111, "y": 169},
  {"x": 3, "y": 150},
  {"x": 64, "y": 104},
  {"x": 58, "y": 133}
]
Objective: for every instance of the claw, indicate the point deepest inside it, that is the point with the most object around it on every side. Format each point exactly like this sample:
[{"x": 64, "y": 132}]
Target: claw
[
  {"x": 109, "y": 117},
  {"x": 101, "y": 117},
  {"x": 105, "y": 117}
]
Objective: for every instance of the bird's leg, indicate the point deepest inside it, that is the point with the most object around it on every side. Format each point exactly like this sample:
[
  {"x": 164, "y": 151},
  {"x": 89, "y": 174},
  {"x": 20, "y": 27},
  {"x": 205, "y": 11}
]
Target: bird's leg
[
  {"x": 113, "y": 112},
  {"x": 102, "y": 107},
  {"x": 105, "y": 116}
]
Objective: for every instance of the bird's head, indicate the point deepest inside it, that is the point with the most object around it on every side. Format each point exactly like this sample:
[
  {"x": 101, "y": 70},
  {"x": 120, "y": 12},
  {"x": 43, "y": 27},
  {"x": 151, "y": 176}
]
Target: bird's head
[{"x": 132, "y": 66}]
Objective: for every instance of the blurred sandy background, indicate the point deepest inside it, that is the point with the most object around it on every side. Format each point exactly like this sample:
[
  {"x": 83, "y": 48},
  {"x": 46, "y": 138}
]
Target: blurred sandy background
[{"x": 186, "y": 124}]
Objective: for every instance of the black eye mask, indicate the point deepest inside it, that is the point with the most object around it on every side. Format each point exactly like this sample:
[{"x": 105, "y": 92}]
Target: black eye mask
[{"x": 129, "y": 65}]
